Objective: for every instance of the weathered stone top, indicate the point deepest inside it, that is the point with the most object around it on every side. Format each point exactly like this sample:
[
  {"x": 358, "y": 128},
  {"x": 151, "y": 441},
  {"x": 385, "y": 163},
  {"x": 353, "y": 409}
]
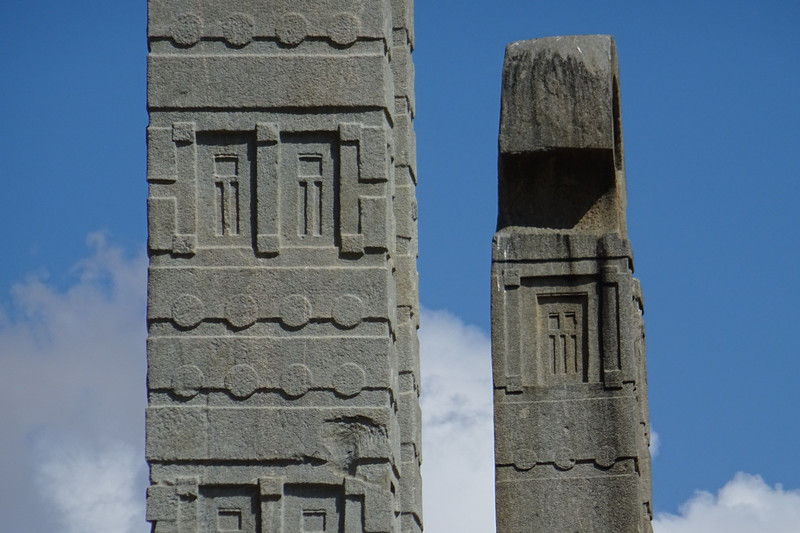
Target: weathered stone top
[
  {"x": 559, "y": 92},
  {"x": 561, "y": 165}
]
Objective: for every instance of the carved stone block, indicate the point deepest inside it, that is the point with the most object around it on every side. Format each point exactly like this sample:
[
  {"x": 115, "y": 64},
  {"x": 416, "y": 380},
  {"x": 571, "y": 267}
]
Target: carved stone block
[
  {"x": 569, "y": 367},
  {"x": 277, "y": 306}
]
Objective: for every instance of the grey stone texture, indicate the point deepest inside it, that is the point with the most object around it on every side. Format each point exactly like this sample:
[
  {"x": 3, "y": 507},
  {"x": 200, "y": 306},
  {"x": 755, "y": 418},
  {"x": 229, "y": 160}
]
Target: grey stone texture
[
  {"x": 568, "y": 343},
  {"x": 283, "y": 307}
]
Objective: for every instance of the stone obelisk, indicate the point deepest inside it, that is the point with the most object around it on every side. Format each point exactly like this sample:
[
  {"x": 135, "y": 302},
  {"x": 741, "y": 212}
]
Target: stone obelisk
[
  {"x": 283, "y": 361},
  {"x": 568, "y": 346}
]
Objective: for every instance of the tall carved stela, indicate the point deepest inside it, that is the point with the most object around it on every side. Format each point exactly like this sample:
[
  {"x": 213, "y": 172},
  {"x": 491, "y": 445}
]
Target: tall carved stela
[
  {"x": 283, "y": 310},
  {"x": 568, "y": 350}
]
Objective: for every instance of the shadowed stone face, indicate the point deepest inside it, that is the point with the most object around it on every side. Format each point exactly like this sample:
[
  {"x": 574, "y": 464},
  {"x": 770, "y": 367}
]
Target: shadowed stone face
[
  {"x": 283, "y": 368},
  {"x": 560, "y": 189},
  {"x": 571, "y": 417}
]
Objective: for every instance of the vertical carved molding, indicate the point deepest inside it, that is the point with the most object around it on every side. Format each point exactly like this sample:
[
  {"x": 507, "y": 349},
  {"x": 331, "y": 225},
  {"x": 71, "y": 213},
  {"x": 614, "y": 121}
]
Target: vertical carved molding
[
  {"x": 268, "y": 188},
  {"x": 185, "y": 239},
  {"x": 610, "y": 328},
  {"x": 350, "y": 139}
]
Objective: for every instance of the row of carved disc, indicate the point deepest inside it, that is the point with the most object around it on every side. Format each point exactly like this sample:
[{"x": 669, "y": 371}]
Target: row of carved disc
[
  {"x": 241, "y": 311},
  {"x": 525, "y": 458},
  {"x": 238, "y": 29},
  {"x": 243, "y": 380}
]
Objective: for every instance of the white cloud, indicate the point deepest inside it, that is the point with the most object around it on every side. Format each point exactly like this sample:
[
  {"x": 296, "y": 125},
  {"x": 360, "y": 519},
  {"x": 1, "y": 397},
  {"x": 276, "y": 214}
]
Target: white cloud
[
  {"x": 95, "y": 490},
  {"x": 746, "y": 504},
  {"x": 72, "y": 387},
  {"x": 73, "y": 425},
  {"x": 458, "y": 434},
  {"x": 655, "y": 444}
]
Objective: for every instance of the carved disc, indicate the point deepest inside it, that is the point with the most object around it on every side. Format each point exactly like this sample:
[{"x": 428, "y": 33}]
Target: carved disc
[
  {"x": 187, "y": 381},
  {"x": 242, "y": 381},
  {"x": 348, "y": 310},
  {"x": 238, "y": 29},
  {"x": 186, "y": 29},
  {"x": 241, "y": 311},
  {"x": 296, "y": 380},
  {"x": 295, "y": 311},
  {"x": 525, "y": 459},
  {"x": 292, "y": 29},
  {"x": 565, "y": 459},
  {"x": 606, "y": 457},
  {"x": 349, "y": 380},
  {"x": 344, "y": 29},
  {"x": 188, "y": 311}
]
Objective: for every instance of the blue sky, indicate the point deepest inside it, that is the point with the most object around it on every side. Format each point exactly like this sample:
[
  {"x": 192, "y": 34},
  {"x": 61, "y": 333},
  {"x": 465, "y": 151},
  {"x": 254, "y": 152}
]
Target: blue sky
[{"x": 710, "y": 117}]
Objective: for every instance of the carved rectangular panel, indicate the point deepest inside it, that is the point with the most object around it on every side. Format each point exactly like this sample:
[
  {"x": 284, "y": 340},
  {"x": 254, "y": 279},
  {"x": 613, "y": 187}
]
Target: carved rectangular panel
[
  {"x": 161, "y": 222},
  {"x": 591, "y": 505},
  {"x": 224, "y": 189},
  {"x": 550, "y": 337},
  {"x": 190, "y": 433},
  {"x": 313, "y": 509},
  {"x": 294, "y": 80},
  {"x": 309, "y": 181},
  {"x": 562, "y": 327},
  {"x": 229, "y": 509},
  {"x": 161, "y": 155}
]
